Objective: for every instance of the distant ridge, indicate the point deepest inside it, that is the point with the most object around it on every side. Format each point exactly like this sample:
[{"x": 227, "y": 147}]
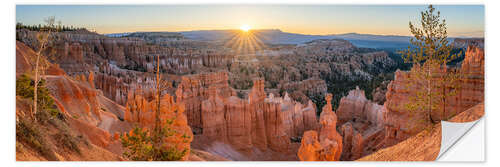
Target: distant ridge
[{"x": 276, "y": 36}]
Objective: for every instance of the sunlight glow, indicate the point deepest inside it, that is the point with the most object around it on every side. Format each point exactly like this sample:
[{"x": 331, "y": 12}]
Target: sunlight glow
[
  {"x": 245, "y": 42},
  {"x": 245, "y": 27}
]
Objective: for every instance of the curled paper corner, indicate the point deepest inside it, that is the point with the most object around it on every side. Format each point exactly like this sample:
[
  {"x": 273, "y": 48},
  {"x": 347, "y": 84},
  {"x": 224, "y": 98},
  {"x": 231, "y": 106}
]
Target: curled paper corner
[
  {"x": 453, "y": 132},
  {"x": 454, "y": 129}
]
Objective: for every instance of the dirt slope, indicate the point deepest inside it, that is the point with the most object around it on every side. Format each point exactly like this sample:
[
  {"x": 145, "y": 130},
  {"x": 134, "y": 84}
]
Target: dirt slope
[{"x": 425, "y": 145}]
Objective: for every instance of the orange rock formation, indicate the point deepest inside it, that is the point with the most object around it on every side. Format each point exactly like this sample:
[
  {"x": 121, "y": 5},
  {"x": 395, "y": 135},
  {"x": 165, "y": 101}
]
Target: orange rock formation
[
  {"x": 143, "y": 112},
  {"x": 327, "y": 146},
  {"x": 85, "y": 109},
  {"x": 193, "y": 90},
  {"x": 367, "y": 126},
  {"x": 259, "y": 121},
  {"x": 361, "y": 125},
  {"x": 120, "y": 64}
]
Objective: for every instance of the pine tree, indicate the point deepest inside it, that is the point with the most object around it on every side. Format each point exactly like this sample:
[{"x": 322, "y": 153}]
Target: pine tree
[
  {"x": 431, "y": 81},
  {"x": 146, "y": 145}
]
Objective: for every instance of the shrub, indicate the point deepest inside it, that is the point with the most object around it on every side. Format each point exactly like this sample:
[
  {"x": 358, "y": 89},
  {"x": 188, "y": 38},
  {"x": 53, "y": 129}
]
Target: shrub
[
  {"x": 30, "y": 134},
  {"x": 139, "y": 146},
  {"x": 25, "y": 88},
  {"x": 67, "y": 141}
]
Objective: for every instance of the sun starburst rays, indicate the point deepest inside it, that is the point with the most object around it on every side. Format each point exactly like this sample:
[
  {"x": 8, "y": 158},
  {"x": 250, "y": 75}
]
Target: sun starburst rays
[{"x": 245, "y": 42}]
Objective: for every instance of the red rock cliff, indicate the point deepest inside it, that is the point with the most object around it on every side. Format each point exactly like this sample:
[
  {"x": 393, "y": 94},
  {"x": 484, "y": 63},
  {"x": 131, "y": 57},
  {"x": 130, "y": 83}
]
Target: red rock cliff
[{"x": 400, "y": 124}]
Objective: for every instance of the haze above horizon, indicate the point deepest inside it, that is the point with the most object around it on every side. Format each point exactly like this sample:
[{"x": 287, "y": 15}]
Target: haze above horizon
[{"x": 462, "y": 20}]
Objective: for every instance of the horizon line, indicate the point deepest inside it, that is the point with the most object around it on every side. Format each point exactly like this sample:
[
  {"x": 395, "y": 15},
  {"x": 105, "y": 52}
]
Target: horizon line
[{"x": 270, "y": 29}]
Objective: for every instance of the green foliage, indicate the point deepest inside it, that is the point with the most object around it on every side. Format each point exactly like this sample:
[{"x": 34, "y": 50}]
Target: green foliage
[
  {"x": 432, "y": 53},
  {"x": 140, "y": 145},
  {"x": 341, "y": 87},
  {"x": 375, "y": 82},
  {"x": 430, "y": 41},
  {"x": 240, "y": 94},
  {"x": 295, "y": 139},
  {"x": 460, "y": 56},
  {"x": 25, "y": 88},
  {"x": 396, "y": 56},
  {"x": 318, "y": 100},
  {"x": 39, "y": 27}
]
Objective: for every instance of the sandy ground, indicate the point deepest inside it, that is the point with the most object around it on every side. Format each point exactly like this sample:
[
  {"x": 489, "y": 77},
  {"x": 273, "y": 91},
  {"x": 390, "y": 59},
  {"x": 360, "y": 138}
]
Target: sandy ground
[{"x": 425, "y": 145}]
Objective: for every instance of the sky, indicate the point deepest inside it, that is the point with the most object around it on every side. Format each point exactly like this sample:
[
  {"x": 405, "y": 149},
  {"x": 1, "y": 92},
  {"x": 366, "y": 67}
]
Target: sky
[{"x": 462, "y": 20}]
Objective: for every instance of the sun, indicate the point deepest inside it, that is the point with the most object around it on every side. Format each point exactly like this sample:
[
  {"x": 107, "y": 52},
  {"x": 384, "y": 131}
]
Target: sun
[{"x": 245, "y": 28}]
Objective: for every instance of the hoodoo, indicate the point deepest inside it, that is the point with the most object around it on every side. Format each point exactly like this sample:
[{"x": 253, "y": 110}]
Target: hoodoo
[
  {"x": 266, "y": 123},
  {"x": 327, "y": 145}
]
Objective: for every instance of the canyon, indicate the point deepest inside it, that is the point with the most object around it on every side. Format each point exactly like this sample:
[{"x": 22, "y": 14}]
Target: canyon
[
  {"x": 121, "y": 64},
  {"x": 99, "y": 121},
  {"x": 367, "y": 127},
  {"x": 229, "y": 106},
  {"x": 401, "y": 123},
  {"x": 257, "y": 125}
]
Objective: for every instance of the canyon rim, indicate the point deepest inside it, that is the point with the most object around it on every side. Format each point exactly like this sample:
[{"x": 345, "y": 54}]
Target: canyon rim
[{"x": 88, "y": 92}]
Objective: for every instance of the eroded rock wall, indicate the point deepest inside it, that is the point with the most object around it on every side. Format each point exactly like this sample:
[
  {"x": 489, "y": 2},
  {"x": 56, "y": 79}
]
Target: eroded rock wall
[
  {"x": 258, "y": 121},
  {"x": 119, "y": 64},
  {"x": 142, "y": 112},
  {"x": 194, "y": 89},
  {"x": 400, "y": 123},
  {"x": 85, "y": 109},
  {"x": 361, "y": 125}
]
